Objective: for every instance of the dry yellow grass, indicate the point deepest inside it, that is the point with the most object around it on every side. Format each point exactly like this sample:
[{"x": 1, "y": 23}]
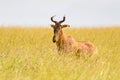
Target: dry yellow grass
[{"x": 29, "y": 54}]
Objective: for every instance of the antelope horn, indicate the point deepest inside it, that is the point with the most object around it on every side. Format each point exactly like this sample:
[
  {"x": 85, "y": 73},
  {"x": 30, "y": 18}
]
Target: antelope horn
[
  {"x": 53, "y": 20},
  {"x": 62, "y": 20}
]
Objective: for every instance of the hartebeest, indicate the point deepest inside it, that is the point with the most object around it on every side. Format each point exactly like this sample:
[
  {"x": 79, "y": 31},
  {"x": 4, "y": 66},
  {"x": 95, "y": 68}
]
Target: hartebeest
[{"x": 67, "y": 43}]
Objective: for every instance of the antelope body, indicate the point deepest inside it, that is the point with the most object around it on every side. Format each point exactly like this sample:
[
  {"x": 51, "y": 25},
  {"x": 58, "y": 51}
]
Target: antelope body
[{"x": 69, "y": 44}]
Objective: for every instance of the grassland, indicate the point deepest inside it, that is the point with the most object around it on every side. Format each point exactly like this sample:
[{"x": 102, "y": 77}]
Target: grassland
[{"x": 29, "y": 54}]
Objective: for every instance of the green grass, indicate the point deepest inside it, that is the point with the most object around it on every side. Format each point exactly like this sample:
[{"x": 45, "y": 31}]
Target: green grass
[{"x": 29, "y": 54}]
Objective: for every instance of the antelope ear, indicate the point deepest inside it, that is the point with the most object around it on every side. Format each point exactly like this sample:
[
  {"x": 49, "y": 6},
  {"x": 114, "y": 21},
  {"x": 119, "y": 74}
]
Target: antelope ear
[
  {"x": 52, "y": 25},
  {"x": 65, "y": 25}
]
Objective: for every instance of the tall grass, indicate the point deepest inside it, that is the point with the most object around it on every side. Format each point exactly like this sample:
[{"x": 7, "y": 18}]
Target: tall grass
[{"x": 29, "y": 54}]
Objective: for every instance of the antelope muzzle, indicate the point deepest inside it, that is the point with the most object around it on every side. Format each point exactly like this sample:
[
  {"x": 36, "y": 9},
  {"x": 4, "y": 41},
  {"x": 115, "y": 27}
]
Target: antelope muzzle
[{"x": 54, "y": 39}]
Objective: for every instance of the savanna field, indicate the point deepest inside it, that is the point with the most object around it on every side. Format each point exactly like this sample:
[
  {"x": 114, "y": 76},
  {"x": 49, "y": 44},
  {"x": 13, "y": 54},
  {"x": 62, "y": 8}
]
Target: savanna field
[{"x": 30, "y": 54}]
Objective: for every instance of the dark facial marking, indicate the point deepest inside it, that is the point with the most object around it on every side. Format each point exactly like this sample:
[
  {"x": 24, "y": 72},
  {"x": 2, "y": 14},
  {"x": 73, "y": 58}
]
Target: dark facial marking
[{"x": 54, "y": 39}]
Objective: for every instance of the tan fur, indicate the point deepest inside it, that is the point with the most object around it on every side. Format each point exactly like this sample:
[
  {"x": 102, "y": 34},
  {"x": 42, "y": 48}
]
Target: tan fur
[{"x": 69, "y": 44}]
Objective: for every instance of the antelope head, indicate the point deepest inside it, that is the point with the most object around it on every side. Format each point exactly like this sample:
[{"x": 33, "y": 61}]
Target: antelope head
[{"x": 57, "y": 27}]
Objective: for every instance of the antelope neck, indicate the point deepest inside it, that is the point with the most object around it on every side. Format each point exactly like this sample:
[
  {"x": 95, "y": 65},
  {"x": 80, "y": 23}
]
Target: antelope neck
[{"x": 62, "y": 38}]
